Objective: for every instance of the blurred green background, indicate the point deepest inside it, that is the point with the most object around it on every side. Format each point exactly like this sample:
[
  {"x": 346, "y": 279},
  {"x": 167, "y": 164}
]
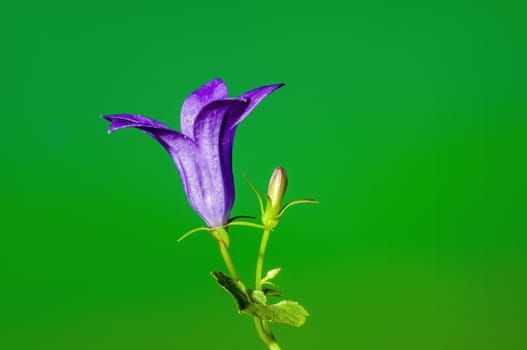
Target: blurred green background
[{"x": 407, "y": 120}]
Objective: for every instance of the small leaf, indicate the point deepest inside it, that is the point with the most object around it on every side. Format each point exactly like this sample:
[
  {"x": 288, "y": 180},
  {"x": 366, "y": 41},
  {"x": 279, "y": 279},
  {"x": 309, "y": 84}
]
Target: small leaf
[
  {"x": 250, "y": 302},
  {"x": 259, "y": 297},
  {"x": 272, "y": 274},
  {"x": 236, "y": 289},
  {"x": 269, "y": 283},
  {"x": 285, "y": 312},
  {"x": 272, "y": 292}
]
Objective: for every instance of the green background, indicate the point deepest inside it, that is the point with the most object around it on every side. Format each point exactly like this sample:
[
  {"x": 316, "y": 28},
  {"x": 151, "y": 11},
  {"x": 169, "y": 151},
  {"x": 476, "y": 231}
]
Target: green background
[{"x": 406, "y": 120}]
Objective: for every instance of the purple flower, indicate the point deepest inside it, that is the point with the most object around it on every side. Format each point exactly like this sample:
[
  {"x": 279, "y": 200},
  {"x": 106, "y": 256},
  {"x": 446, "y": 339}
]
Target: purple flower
[{"x": 202, "y": 150}]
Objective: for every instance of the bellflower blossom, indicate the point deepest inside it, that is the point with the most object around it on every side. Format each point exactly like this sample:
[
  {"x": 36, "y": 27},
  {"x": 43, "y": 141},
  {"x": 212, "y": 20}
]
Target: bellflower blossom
[{"x": 202, "y": 151}]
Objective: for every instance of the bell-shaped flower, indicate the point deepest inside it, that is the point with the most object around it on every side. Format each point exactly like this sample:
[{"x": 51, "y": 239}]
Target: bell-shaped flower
[{"x": 202, "y": 151}]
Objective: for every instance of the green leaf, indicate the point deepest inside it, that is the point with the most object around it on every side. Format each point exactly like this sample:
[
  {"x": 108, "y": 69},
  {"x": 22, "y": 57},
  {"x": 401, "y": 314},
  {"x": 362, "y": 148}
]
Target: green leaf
[
  {"x": 259, "y": 297},
  {"x": 235, "y": 288},
  {"x": 271, "y": 274},
  {"x": 253, "y": 303},
  {"x": 271, "y": 292},
  {"x": 285, "y": 312}
]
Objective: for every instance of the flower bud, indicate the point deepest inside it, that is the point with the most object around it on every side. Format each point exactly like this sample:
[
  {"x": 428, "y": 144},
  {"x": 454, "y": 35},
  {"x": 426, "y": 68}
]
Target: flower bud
[
  {"x": 275, "y": 194},
  {"x": 277, "y": 187}
]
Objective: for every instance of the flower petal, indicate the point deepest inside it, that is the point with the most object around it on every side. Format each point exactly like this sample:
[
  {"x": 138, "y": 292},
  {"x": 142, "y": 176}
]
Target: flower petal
[
  {"x": 256, "y": 96},
  {"x": 182, "y": 149},
  {"x": 230, "y": 124},
  {"x": 120, "y": 121},
  {"x": 212, "y": 91},
  {"x": 209, "y": 128},
  {"x": 171, "y": 140}
]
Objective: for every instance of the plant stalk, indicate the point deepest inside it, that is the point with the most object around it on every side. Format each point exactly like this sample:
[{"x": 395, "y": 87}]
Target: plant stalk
[
  {"x": 260, "y": 260},
  {"x": 225, "y": 254},
  {"x": 263, "y": 330},
  {"x": 265, "y": 334}
]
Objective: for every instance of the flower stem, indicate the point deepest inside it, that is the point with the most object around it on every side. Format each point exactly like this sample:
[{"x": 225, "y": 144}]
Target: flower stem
[
  {"x": 225, "y": 254},
  {"x": 262, "y": 328},
  {"x": 265, "y": 334},
  {"x": 259, "y": 262}
]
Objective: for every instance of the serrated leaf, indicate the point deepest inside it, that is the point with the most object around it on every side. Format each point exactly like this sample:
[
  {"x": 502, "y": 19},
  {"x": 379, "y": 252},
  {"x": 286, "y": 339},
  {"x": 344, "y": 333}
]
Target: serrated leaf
[{"x": 250, "y": 302}]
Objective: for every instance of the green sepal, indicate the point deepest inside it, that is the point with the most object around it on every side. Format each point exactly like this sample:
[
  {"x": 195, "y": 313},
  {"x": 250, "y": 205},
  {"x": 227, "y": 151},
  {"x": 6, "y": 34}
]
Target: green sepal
[
  {"x": 295, "y": 202},
  {"x": 260, "y": 203},
  {"x": 268, "y": 205},
  {"x": 270, "y": 217},
  {"x": 192, "y": 231},
  {"x": 254, "y": 303},
  {"x": 245, "y": 223}
]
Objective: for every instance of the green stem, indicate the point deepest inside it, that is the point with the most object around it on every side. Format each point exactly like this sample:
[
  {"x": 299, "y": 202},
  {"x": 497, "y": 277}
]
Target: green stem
[
  {"x": 259, "y": 262},
  {"x": 265, "y": 334},
  {"x": 263, "y": 330},
  {"x": 225, "y": 253}
]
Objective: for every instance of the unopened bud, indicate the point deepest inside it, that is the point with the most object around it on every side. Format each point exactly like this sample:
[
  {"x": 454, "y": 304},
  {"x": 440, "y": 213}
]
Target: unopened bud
[
  {"x": 277, "y": 187},
  {"x": 275, "y": 194}
]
